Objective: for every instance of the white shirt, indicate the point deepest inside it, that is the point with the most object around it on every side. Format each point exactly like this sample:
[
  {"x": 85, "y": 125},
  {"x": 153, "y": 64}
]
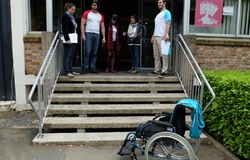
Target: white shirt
[
  {"x": 93, "y": 21},
  {"x": 134, "y": 30},
  {"x": 114, "y": 32},
  {"x": 161, "y": 21}
]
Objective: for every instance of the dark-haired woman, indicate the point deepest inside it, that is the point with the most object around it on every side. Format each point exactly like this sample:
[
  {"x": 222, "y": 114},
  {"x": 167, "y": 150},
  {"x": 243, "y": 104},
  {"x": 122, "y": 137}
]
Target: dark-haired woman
[
  {"x": 113, "y": 43},
  {"x": 69, "y": 25},
  {"x": 134, "y": 35}
]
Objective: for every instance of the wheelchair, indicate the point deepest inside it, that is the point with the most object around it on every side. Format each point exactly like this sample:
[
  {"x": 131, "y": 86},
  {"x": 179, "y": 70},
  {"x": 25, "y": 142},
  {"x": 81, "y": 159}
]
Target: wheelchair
[{"x": 163, "y": 137}]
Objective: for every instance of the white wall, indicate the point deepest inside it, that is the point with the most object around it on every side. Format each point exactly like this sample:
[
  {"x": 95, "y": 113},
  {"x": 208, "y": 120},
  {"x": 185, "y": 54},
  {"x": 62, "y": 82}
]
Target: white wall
[{"x": 19, "y": 14}]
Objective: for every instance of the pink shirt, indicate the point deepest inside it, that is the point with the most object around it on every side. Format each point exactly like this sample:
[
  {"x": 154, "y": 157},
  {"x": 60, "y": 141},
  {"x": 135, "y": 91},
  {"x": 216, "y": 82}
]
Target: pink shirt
[{"x": 93, "y": 21}]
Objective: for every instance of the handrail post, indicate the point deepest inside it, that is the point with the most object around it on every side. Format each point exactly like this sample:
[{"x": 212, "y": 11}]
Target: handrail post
[
  {"x": 177, "y": 53},
  {"x": 39, "y": 89},
  {"x": 202, "y": 92}
]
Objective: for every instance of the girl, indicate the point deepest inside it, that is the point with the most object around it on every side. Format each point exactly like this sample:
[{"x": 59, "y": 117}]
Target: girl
[{"x": 113, "y": 43}]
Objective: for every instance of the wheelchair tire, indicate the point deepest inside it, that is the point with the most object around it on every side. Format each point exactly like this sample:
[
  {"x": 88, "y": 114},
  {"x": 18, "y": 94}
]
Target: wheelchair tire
[{"x": 168, "y": 145}]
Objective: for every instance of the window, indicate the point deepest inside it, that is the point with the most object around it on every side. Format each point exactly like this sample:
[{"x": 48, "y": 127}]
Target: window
[
  {"x": 230, "y": 24},
  {"x": 244, "y": 23},
  {"x": 37, "y": 15}
]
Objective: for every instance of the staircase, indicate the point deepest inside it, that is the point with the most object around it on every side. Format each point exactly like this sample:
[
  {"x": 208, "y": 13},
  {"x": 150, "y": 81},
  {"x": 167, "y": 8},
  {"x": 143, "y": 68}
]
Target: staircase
[{"x": 100, "y": 109}]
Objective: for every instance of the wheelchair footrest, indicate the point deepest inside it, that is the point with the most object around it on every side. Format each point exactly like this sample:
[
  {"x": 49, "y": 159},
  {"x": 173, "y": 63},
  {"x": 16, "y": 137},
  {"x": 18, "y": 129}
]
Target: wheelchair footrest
[{"x": 127, "y": 148}]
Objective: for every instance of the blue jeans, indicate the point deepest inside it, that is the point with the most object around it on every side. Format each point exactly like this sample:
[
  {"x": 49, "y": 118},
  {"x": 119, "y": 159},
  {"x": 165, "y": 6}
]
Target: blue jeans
[
  {"x": 135, "y": 54},
  {"x": 69, "y": 51},
  {"x": 91, "y": 48}
]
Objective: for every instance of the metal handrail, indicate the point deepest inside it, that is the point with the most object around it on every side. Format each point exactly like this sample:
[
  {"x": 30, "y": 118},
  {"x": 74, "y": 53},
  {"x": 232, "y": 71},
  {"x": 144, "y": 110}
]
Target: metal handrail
[
  {"x": 186, "y": 68},
  {"x": 46, "y": 81}
]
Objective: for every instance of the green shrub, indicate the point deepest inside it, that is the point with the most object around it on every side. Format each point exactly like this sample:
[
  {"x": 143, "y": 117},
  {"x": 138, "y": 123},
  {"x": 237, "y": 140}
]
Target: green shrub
[{"x": 229, "y": 116}]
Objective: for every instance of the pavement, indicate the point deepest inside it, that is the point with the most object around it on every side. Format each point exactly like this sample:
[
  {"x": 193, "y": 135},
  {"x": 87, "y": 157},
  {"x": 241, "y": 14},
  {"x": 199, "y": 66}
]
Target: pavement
[{"x": 18, "y": 129}]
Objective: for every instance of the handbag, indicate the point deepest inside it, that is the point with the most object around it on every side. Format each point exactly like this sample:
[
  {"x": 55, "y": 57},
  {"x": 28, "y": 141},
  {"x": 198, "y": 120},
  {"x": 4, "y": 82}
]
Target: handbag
[{"x": 72, "y": 36}]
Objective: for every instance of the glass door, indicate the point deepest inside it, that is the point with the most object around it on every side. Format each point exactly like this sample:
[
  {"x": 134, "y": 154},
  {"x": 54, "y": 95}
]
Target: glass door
[{"x": 148, "y": 10}]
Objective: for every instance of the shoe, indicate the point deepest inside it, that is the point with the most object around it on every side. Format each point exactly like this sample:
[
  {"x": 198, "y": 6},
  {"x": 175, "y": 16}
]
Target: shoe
[
  {"x": 153, "y": 73},
  {"x": 75, "y": 73},
  {"x": 162, "y": 75},
  {"x": 95, "y": 71},
  {"x": 107, "y": 70},
  {"x": 134, "y": 71},
  {"x": 112, "y": 71},
  {"x": 129, "y": 71},
  {"x": 83, "y": 71},
  {"x": 70, "y": 75}
]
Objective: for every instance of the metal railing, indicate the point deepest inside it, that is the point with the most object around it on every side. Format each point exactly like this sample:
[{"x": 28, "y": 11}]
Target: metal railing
[
  {"x": 192, "y": 79},
  {"x": 46, "y": 81}
]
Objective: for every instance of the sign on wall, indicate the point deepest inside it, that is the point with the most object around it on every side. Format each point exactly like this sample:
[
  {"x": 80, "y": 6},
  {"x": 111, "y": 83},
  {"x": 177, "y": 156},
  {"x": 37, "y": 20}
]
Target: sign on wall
[{"x": 208, "y": 13}]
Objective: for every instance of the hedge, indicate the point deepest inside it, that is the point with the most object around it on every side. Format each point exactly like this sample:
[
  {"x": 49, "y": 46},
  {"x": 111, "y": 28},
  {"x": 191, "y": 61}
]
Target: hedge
[{"x": 228, "y": 118}]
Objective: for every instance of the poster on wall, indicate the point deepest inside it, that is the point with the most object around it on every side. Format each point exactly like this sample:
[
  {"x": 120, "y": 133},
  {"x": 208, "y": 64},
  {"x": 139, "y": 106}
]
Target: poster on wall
[{"x": 208, "y": 13}]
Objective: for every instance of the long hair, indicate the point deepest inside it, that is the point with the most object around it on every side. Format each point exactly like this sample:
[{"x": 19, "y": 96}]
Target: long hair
[{"x": 115, "y": 18}]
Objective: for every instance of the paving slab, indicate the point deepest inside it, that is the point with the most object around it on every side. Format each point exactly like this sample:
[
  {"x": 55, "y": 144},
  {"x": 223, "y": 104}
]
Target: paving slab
[{"x": 17, "y": 129}]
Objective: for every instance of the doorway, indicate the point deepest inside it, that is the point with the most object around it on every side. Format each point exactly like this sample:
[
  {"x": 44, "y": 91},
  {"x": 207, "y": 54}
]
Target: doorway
[{"x": 146, "y": 11}]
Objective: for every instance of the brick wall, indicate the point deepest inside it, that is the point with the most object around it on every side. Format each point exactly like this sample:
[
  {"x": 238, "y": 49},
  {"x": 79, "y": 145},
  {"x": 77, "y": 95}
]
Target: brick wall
[
  {"x": 36, "y": 48},
  {"x": 220, "y": 53}
]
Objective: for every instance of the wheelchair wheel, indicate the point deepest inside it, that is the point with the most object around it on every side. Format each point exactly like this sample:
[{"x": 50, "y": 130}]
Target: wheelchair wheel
[{"x": 168, "y": 145}]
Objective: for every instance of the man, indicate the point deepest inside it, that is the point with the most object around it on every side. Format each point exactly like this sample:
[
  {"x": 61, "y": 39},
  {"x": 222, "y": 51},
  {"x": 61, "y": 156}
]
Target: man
[
  {"x": 90, "y": 28},
  {"x": 161, "y": 32}
]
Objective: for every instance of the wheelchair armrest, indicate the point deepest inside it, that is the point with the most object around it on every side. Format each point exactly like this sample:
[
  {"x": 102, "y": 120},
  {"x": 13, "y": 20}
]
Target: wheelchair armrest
[
  {"x": 165, "y": 116},
  {"x": 168, "y": 125}
]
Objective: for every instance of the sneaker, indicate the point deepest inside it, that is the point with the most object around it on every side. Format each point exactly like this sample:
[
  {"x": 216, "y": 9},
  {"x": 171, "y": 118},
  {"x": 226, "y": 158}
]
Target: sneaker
[
  {"x": 153, "y": 73},
  {"x": 162, "y": 75},
  {"x": 75, "y": 73},
  {"x": 95, "y": 71},
  {"x": 134, "y": 71},
  {"x": 83, "y": 71},
  {"x": 129, "y": 71},
  {"x": 70, "y": 75}
]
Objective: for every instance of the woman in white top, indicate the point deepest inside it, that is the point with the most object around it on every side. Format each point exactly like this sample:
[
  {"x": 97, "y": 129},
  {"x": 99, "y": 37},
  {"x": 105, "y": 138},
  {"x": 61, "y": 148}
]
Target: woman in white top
[
  {"x": 134, "y": 35},
  {"x": 113, "y": 43}
]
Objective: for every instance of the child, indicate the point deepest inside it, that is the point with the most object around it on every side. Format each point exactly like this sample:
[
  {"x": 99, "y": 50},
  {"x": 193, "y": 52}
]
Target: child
[{"x": 113, "y": 43}]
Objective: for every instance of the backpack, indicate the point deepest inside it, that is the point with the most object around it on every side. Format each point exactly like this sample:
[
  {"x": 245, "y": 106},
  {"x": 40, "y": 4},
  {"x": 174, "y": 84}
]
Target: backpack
[{"x": 143, "y": 28}]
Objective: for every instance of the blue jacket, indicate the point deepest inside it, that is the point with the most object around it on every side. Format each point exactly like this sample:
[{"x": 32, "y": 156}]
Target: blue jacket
[{"x": 196, "y": 116}]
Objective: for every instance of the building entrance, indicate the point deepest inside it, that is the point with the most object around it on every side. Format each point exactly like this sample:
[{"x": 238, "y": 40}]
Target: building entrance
[{"x": 146, "y": 11}]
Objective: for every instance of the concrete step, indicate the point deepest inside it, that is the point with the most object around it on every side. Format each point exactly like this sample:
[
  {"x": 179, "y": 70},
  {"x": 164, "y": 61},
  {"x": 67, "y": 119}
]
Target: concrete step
[
  {"x": 103, "y": 108},
  {"x": 94, "y": 139},
  {"x": 97, "y": 122},
  {"x": 118, "y": 87},
  {"x": 124, "y": 77},
  {"x": 132, "y": 97},
  {"x": 110, "y": 109}
]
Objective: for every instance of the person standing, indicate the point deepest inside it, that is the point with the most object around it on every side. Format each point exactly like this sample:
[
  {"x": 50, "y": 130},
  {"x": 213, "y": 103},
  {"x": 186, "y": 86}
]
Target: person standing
[
  {"x": 91, "y": 22},
  {"x": 113, "y": 43},
  {"x": 69, "y": 25},
  {"x": 134, "y": 35},
  {"x": 161, "y": 32}
]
